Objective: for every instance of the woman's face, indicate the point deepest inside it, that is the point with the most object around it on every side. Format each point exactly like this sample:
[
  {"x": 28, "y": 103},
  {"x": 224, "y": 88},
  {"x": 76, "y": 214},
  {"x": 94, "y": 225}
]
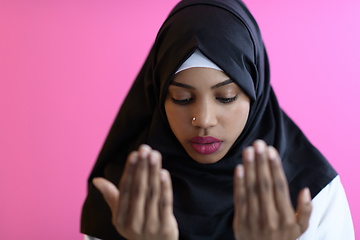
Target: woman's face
[{"x": 219, "y": 106}]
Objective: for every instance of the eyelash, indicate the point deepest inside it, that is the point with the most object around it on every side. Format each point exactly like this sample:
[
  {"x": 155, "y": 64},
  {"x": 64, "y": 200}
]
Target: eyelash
[{"x": 189, "y": 100}]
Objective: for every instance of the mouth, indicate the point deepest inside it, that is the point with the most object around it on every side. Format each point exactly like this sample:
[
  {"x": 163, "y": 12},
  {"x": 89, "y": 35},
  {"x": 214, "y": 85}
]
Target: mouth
[{"x": 205, "y": 145}]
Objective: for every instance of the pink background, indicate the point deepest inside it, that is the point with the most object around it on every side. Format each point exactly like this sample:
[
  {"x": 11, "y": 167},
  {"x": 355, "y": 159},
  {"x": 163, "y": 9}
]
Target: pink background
[{"x": 65, "y": 67}]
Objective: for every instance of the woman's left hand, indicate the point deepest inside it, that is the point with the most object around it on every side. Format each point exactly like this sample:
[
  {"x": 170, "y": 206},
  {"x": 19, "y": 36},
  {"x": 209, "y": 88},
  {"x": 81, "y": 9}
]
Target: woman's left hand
[{"x": 263, "y": 208}]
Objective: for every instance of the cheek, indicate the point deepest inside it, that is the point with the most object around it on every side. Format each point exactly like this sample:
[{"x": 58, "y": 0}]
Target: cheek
[
  {"x": 236, "y": 118},
  {"x": 177, "y": 119}
]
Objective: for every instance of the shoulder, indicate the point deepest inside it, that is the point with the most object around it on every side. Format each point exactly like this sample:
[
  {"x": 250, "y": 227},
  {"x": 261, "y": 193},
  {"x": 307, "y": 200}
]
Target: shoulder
[
  {"x": 86, "y": 237},
  {"x": 330, "y": 218}
]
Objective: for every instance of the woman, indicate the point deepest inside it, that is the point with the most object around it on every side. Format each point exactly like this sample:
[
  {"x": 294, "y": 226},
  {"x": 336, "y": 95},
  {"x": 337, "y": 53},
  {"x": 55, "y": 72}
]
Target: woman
[{"x": 202, "y": 100}]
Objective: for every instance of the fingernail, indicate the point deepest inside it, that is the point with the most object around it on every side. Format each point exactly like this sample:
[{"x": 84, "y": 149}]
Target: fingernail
[
  {"x": 163, "y": 175},
  {"x": 272, "y": 156},
  {"x": 307, "y": 195},
  {"x": 133, "y": 159},
  {"x": 259, "y": 147},
  {"x": 95, "y": 182},
  {"x": 240, "y": 171},
  {"x": 249, "y": 154},
  {"x": 143, "y": 151},
  {"x": 152, "y": 159}
]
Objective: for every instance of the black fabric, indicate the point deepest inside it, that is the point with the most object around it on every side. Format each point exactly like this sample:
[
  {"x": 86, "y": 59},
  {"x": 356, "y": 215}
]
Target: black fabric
[{"x": 226, "y": 33}]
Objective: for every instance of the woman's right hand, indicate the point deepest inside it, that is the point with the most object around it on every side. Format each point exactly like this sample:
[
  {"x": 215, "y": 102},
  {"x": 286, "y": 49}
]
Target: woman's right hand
[{"x": 142, "y": 206}]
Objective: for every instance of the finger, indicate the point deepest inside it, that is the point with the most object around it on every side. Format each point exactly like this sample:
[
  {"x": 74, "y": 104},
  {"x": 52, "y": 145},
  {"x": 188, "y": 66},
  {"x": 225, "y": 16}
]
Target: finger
[
  {"x": 122, "y": 213},
  {"x": 251, "y": 187},
  {"x": 304, "y": 209},
  {"x": 265, "y": 185},
  {"x": 154, "y": 191},
  {"x": 108, "y": 190},
  {"x": 166, "y": 202},
  {"x": 139, "y": 191},
  {"x": 239, "y": 196},
  {"x": 281, "y": 189}
]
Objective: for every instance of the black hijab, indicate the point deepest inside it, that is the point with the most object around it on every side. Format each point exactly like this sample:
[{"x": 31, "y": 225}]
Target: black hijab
[{"x": 226, "y": 33}]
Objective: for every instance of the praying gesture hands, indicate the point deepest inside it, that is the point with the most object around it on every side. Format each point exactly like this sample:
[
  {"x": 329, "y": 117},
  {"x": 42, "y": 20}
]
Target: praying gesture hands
[
  {"x": 263, "y": 208},
  {"x": 142, "y": 206}
]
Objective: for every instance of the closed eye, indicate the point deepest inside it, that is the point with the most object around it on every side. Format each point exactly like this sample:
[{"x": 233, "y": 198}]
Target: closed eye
[
  {"x": 227, "y": 100},
  {"x": 189, "y": 100},
  {"x": 181, "y": 101}
]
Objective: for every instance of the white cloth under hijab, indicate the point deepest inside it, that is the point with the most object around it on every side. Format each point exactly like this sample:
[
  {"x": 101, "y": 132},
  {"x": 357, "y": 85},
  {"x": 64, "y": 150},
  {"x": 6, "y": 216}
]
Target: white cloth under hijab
[
  {"x": 330, "y": 218},
  {"x": 197, "y": 59}
]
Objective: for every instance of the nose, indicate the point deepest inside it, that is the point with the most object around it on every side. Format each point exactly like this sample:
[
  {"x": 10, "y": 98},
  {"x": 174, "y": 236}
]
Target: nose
[{"x": 205, "y": 115}]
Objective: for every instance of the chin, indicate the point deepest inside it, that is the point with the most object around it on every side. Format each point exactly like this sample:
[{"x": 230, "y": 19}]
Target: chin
[{"x": 206, "y": 159}]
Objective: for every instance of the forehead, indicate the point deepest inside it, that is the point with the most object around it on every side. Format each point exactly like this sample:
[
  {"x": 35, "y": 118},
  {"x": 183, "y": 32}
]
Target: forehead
[{"x": 199, "y": 79}]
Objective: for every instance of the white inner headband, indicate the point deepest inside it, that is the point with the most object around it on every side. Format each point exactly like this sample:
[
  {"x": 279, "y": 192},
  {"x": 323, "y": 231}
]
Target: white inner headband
[{"x": 197, "y": 59}]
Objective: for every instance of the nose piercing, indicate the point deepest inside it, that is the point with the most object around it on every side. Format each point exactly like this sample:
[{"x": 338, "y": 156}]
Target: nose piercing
[{"x": 194, "y": 119}]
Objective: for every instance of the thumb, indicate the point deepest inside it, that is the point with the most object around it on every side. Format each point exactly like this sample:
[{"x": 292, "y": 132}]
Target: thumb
[
  {"x": 304, "y": 209},
  {"x": 108, "y": 190}
]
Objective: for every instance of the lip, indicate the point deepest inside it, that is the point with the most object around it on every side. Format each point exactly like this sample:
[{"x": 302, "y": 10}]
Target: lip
[{"x": 205, "y": 145}]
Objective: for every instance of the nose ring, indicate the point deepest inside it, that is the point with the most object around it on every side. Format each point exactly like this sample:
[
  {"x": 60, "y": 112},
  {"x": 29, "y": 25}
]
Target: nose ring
[{"x": 194, "y": 119}]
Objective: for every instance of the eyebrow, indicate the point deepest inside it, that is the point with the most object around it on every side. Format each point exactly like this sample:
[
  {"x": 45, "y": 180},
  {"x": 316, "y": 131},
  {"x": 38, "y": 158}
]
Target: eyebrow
[
  {"x": 228, "y": 81},
  {"x": 222, "y": 84}
]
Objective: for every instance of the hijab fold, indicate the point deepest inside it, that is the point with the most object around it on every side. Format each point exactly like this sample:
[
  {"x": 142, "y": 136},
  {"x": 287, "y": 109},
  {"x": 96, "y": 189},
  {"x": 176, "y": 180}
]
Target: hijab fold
[{"x": 227, "y": 34}]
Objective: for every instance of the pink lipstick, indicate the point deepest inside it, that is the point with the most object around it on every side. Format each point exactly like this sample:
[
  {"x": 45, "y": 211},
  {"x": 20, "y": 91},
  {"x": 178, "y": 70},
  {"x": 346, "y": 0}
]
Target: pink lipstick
[{"x": 205, "y": 145}]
